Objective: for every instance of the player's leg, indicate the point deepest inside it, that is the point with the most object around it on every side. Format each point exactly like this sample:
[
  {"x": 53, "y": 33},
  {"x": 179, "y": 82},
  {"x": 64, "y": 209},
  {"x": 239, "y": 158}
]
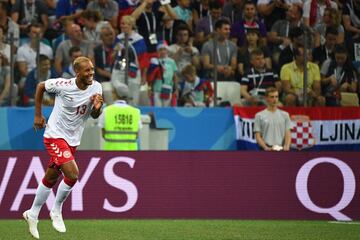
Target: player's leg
[
  {"x": 42, "y": 193},
  {"x": 70, "y": 172}
]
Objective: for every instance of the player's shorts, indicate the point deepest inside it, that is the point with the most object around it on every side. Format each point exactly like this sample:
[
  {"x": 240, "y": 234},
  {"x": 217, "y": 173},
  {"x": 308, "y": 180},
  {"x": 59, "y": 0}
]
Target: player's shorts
[{"x": 60, "y": 152}]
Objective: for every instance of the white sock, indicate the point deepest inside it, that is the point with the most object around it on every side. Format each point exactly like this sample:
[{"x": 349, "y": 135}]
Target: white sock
[
  {"x": 62, "y": 193},
  {"x": 42, "y": 193}
]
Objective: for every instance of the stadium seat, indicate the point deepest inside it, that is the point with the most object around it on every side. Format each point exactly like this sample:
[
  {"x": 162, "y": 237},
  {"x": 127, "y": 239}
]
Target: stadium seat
[{"x": 228, "y": 92}]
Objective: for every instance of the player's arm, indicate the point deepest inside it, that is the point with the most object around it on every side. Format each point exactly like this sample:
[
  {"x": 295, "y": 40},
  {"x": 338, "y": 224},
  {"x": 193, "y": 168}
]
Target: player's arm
[
  {"x": 261, "y": 142},
  {"x": 39, "y": 120},
  {"x": 97, "y": 101},
  {"x": 287, "y": 140}
]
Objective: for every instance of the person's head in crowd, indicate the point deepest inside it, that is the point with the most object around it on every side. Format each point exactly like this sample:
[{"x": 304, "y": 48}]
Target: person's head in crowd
[
  {"x": 257, "y": 59},
  {"x": 75, "y": 52},
  {"x": 66, "y": 23},
  {"x": 4, "y": 6},
  {"x": 331, "y": 35},
  {"x": 331, "y": 17},
  {"x": 127, "y": 24},
  {"x": 149, "y": 5},
  {"x": 249, "y": 10},
  {"x": 183, "y": 34},
  {"x": 189, "y": 73},
  {"x": 75, "y": 33},
  {"x": 91, "y": 18},
  {"x": 272, "y": 96},
  {"x": 107, "y": 35},
  {"x": 252, "y": 37},
  {"x": 222, "y": 27},
  {"x": 45, "y": 64},
  {"x": 102, "y": 3},
  {"x": 162, "y": 48},
  {"x": 294, "y": 12},
  {"x": 184, "y": 3},
  {"x": 215, "y": 9},
  {"x": 341, "y": 55},
  {"x": 35, "y": 31},
  {"x": 296, "y": 36},
  {"x": 299, "y": 55}
]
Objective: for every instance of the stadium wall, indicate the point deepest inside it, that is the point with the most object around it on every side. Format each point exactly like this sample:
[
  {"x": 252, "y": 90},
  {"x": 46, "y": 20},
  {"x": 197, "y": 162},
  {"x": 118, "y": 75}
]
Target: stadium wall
[{"x": 192, "y": 184}]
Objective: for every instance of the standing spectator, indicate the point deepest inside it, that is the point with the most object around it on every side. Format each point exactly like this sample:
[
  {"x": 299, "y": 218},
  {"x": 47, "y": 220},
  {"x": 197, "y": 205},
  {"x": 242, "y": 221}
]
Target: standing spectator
[
  {"x": 233, "y": 10},
  {"x": 326, "y": 51},
  {"x": 5, "y": 82},
  {"x": 314, "y": 11},
  {"x": 62, "y": 58},
  {"x": 74, "y": 53},
  {"x": 257, "y": 79},
  {"x": 292, "y": 77},
  {"x": 10, "y": 27},
  {"x": 104, "y": 54},
  {"x": 24, "y": 12},
  {"x": 148, "y": 22},
  {"x": 183, "y": 52},
  {"x": 272, "y": 125},
  {"x": 183, "y": 12},
  {"x": 226, "y": 53},
  {"x": 168, "y": 29},
  {"x": 70, "y": 9},
  {"x": 109, "y": 10},
  {"x": 92, "y": 25},
  {"x": 200, "y": 9},
  {"x": 338, "y": 75},
  {"x": 249, "y": 21},
  {"x": 120, "y": 123}
]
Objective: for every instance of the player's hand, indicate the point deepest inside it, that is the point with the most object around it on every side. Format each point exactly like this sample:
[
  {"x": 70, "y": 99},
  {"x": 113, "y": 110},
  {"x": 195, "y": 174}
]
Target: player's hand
[
  {"x": 97, "y": 101},
  {"x": 39, "y": 122}
]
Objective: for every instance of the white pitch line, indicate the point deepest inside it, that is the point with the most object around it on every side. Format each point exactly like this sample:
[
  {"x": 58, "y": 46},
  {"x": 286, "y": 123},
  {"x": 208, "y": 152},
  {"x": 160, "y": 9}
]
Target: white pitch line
[{"x": 345, "y": 222}]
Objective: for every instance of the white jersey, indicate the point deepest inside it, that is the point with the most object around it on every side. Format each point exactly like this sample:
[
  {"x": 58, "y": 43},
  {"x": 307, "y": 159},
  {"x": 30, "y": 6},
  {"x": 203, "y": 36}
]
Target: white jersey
[{"x": 72, "y": 108}]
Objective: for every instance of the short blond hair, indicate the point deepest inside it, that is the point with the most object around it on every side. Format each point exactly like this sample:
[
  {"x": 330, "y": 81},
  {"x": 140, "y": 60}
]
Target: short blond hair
[
  {"x": 129, "y": 20},
  {"x": 78, "y": 61}
]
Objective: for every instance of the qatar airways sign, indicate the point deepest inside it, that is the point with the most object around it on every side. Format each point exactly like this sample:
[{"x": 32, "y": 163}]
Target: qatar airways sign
[{"x": 243, "y": 185}]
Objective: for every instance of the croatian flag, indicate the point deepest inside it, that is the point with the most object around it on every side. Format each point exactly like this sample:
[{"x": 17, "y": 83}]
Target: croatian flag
[{"x": 317, "y": 128}]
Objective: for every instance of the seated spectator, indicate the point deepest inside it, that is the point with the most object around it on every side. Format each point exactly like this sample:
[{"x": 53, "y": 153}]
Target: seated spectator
[
  {"x": 351, "y": 20},
  {"x": 109, "y": 10},
  {"x": 338, "y": 75},
  {"x": 105, "y": 54},
  {"x": 165, "y": 82},
  {"x": 62, "y": 58},
  {"x": 331, "y": 18},
  {"x": 26, "y": 12},
  {"x": 39, "y": 74},
  {"x": 70, "y": 9},
  {"x": 233, "y": 10},
  {"x": 314, "y": 11},
  {"x": 66, "y": 26},
  {"x": 194, "y": 91},
  {"x": 11, "y": 29},
  {"x": 249, "y": 21},
  {"x": 5, "y": 82},
  {"x": 226, "y": 53},
  {"x": 292, "y": 78},
  {"x": 205, "y": 26},
  {"x": 256, "y": 80},
  {"x": 183, "y": 52},
  {"x": 200, "y": 9},
  {"x": 74, "y": 52},
  {"x": 251, "y": 43},
  {"x": 325, "y": 51},
  {"x": 92, "y": 24},
  {"x": 168, "y": 28}
]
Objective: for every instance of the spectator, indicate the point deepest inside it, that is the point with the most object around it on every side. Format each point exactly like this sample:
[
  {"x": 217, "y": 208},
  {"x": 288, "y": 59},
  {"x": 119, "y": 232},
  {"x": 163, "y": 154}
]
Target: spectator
[
  {"x": 5, "y": 48},
  {"x": 5, "y": 82},
  {"x": 194, "y": 91},
  {"x": 206, "y": 25},
  {"x": 351, "y": 20},
  {"x": 249, "y": 21},
  {"x": 148, "y": 22},
  {"x": 92, "y": 25},
  {"x": 12, "y": 29},
  {"x": 252, "y": 43},
  {"x": 66, "y": 24},
  {"x": 331, "y": 18},
  {"x": 325, "y": 51},
  {"x": 257, "y": 80},
  {"x": 183, "y": 52},
  {"x": 168, "y": 29},
  {"x": 74, "y": 52},
  {"x": 70, "y": 9},
  {"x": 109, "y": 10},
  {"x": 338, "y": 75},
  {"x": 233, "y": 10},
  {"x": 24, "y": 12},
  {"x": 137, "y": 59},
  {"x": 200, "y": 9},
  {"x": 126, "y": 7},
  {"x": 292, "y": 77},
  {"x": 164, "y": 85},
  {"x": 26, "y": 54},
  {"x": 272, "y": 125},
  {"x": 183, "y": 12},
  {"x": 314, "y": 11},
  {"x": 39, "y": 74},
  {"x": 62, "y": 58},
  {"x": 105, "y": 55},
  {"x": 296, "y": 35},
  {"x": 226, "y": 53}
]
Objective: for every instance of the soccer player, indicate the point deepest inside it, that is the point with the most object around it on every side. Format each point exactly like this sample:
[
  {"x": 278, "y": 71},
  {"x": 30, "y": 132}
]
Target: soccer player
[{"x": 75, "y": 100}]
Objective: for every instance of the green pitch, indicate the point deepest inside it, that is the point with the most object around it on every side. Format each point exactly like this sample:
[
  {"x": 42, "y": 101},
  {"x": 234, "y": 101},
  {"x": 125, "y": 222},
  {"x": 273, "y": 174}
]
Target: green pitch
[{"x": 186, "y": 229}]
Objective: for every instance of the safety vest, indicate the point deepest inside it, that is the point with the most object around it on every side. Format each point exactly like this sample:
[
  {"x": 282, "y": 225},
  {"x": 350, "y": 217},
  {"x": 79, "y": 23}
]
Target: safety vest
[{"x": 121, "y": 128}]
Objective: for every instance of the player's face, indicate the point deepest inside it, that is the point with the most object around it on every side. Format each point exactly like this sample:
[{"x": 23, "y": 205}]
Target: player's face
[{"x": 86, "y": 73}]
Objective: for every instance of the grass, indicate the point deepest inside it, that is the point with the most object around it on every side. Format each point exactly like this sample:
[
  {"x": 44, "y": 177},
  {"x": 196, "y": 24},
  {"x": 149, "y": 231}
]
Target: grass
[{"x": 186, "y": 229}]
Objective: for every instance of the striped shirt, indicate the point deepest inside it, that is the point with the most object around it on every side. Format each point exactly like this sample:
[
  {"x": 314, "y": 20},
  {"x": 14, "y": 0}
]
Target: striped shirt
[{"x": 259, "y": 80}]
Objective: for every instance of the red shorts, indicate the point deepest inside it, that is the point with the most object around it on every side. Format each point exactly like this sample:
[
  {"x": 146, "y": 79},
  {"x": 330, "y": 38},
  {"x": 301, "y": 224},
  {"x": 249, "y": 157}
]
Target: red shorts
[{"x": 60, "y": 152}]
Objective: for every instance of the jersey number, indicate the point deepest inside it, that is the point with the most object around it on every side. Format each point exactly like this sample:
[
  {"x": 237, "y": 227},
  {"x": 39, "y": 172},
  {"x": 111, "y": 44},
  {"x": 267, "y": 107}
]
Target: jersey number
[{"x": 81, "y": 109}]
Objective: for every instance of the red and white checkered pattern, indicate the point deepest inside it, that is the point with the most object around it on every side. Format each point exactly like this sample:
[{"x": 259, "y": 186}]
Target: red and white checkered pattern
[{"x": 301, "y": 135}]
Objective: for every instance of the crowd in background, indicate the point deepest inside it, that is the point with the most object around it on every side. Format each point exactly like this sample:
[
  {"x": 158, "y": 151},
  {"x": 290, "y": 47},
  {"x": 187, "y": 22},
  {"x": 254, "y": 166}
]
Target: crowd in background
[{"x": 172, "y": 50}]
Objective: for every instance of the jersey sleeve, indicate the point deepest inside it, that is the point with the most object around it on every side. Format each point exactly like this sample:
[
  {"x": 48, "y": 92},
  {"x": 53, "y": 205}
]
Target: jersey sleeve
[{"x": 52, "y": 85}]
